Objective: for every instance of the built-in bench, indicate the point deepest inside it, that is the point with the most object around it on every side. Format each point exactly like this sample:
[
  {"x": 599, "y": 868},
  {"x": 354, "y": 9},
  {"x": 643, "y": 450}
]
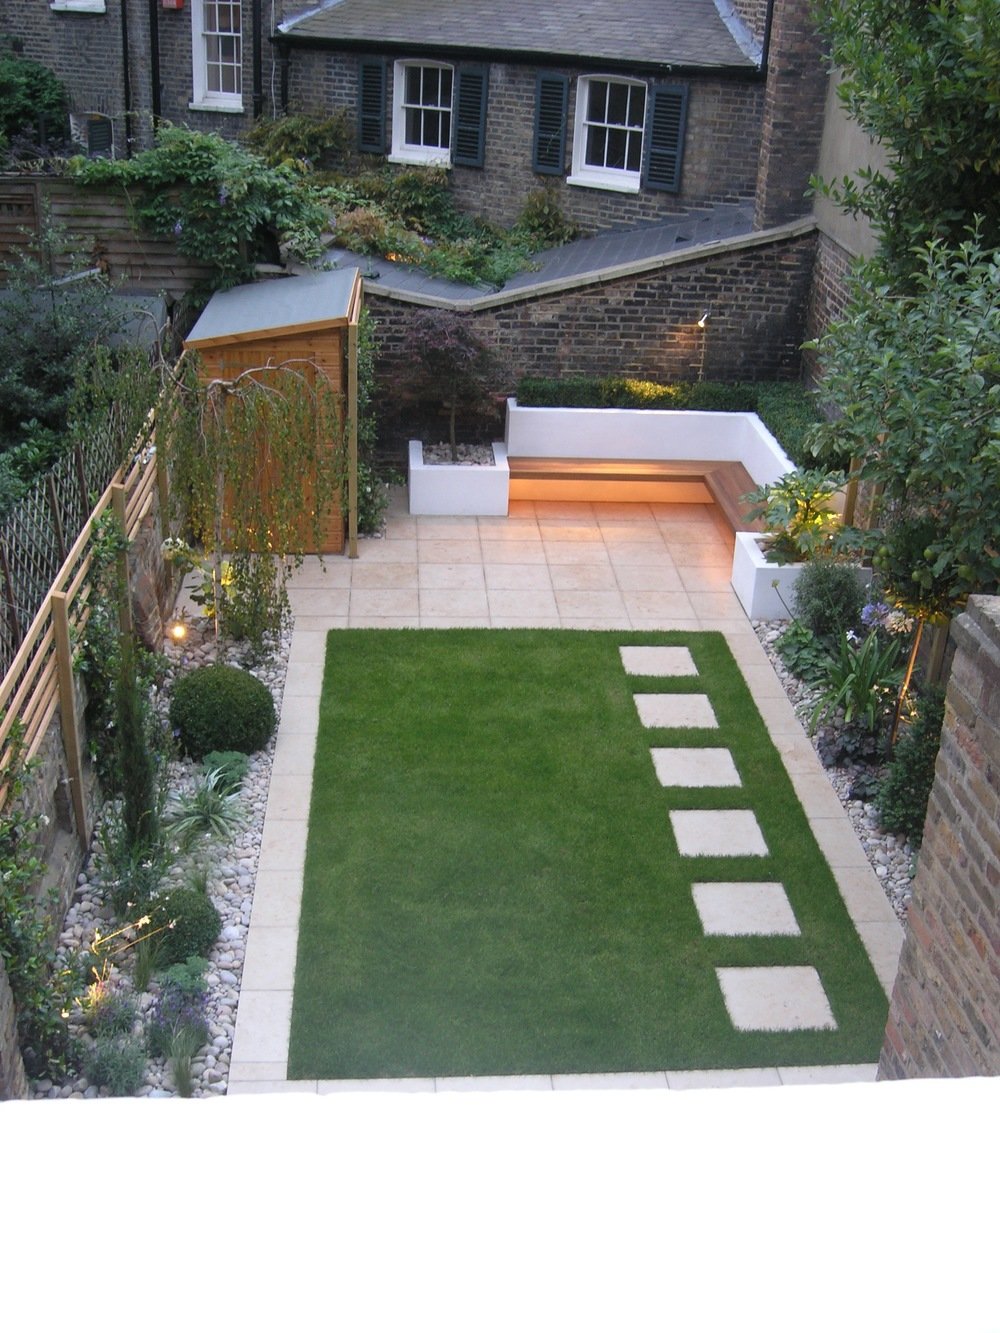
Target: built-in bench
[{"x": 679, "y": 481}]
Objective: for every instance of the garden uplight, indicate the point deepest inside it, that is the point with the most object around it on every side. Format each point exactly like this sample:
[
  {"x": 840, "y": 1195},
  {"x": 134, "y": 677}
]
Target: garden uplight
[{"x": 177, "y": 631}]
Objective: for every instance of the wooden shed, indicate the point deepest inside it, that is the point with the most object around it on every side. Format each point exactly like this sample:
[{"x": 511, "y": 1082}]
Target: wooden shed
[{"x": 309, "y": 321}]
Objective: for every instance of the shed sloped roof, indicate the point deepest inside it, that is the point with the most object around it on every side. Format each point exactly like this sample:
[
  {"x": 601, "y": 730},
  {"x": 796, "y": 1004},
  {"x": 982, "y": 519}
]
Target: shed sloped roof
[
  {"x": 302, "y": 302},
  {"x": 688, "y": 33}
]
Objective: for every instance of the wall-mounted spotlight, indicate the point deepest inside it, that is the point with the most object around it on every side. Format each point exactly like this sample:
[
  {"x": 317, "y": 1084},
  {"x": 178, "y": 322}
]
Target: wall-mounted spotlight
[{"x": 703, "y": 321}]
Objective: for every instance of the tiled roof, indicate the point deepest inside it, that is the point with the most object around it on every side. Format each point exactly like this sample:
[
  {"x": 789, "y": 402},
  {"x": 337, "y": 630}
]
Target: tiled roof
[{"x": 670, "y": 32}]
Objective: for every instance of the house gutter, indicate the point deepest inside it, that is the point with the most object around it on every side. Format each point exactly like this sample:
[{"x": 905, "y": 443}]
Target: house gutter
[
  {"x": 501, "y": 55},
  {"x": 126, "y": 81},
  {"x": 155, "y": 104},
  {"x": 766, "y": 48},
  {"x": 257, "y": 25}
]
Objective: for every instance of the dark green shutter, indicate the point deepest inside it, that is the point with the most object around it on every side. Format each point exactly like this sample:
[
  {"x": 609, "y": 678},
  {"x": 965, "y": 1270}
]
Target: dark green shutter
[
  {"x": 665, "y": 136},
  {"x": 371, "y": 106},
  {"x": 469, "y": 115},
  {"x": 551, "y": 99}
]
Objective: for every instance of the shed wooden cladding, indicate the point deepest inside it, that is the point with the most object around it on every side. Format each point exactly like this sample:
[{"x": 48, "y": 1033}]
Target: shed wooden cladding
[{"x": 308, "y": 323}]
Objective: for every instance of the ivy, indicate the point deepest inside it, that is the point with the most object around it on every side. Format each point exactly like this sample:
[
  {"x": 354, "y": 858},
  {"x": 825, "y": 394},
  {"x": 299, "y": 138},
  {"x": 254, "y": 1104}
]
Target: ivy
[{"x": 222, "y": 203}]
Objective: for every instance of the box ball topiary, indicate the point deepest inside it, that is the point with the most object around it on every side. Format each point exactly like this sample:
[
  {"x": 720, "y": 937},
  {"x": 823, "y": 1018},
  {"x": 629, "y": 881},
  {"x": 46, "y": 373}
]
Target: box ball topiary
[
  {"x": 186, "y": 924},
  {"x": 221, "y": 708}
]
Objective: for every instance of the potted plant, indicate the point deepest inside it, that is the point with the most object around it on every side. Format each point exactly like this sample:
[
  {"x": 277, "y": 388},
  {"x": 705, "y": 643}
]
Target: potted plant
[
  {"x": 454, "y": 367},
  {"x": 800, "y": 522}
]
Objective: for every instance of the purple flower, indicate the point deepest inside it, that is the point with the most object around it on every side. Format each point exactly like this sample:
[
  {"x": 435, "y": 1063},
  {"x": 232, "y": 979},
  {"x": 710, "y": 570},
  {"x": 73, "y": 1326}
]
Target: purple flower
[
  {"x": 178, "y": 227},
  {"x": 223, "y": 195},
  {"x": 874, "y": 613}
]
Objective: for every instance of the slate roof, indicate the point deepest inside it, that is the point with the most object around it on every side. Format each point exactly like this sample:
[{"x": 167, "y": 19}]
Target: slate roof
[
  {"x": 590, "y": 256},
  {"x": 678, "y": 33}
]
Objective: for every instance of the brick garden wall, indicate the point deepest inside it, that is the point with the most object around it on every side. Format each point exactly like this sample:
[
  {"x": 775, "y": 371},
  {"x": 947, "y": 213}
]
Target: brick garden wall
[
  {"x": 828, "y": 295},
  {"x": 720, "y": 155},
  {"x": 944, "y": 1020},
  {"x": 13, "y": 1080},
  {"x": 644, "y": 324}
]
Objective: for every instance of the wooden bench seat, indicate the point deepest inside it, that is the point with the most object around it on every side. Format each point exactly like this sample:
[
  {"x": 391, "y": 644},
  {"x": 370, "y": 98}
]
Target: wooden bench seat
[{"x": 678, "y": 481}]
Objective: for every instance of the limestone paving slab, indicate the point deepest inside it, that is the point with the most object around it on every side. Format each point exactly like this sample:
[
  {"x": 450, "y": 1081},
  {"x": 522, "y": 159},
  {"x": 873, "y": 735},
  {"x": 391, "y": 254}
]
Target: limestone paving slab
[
  {"x": 681, "y": 1080},
  {"x": 688, "y": 766},
  {"x": 676, "y": 710},
  {"x": 263, "y": 1023},
  {"x": 744, "y": 907},
  {"x": 796, "y": 1075},
  {"x": 277, "y": 899},
  {"x": 648, "y": 661},
  {"x": 775, "y": 999},
  {"x": 718, "y": 833},
  {"x": 270, "y": 958}
]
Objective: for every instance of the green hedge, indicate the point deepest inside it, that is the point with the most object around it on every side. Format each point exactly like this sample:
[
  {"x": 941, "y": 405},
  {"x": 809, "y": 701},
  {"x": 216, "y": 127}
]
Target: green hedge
[{"x": 787, "y": 410}]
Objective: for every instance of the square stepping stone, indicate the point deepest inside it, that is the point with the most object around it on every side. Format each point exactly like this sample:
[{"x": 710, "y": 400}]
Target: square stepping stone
[
  {"x": 775, "y": 999},
  {"x": 744, "y": 908},
  {"x": 688, "y": 766},
  {"x": 648, "y": 661},
  {"x": 675, "y": 710},
  {"x": 718, "y": 833}
]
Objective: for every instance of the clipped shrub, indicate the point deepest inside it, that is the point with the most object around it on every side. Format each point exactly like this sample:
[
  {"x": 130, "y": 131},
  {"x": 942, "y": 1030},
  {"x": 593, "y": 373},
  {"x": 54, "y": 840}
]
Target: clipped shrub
[
  {"x": 902, "y": 796},
  {"x": 711, "y": 396},
  {"x": 789, "y": 412},
  {"x": 828, "y": 597},
  {"x": 191, "y": 923},
  {"x": 221, "y": 708},
  {"x": 573, "y": 391}
]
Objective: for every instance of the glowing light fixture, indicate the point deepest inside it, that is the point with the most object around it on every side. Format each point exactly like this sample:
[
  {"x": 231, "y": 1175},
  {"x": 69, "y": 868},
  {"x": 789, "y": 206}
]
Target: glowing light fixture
[
  {"x": 177, "y": 631},
  {"x": 703, "y": 321}
]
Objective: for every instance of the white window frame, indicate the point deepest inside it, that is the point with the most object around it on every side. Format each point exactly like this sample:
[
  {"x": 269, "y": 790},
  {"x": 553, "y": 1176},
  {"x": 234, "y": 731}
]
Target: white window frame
[
  {"x": 604, "y": 178},
  {"x": 417, "y": 153},
  {"x": 205, "y": 98}
]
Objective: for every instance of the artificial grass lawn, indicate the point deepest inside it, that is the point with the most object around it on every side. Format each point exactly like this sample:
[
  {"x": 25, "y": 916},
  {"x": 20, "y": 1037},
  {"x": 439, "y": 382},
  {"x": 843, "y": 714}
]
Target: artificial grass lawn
[{"x": 492, "y": 885}]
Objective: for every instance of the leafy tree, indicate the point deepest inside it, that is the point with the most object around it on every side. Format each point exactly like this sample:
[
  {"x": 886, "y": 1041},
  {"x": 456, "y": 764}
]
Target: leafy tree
[
  {"x": 33, "y": 102},
  {"x": 923, "y": 79},
  {"x": 452, "y": 364},
  {"x": 914, "y": 380}
]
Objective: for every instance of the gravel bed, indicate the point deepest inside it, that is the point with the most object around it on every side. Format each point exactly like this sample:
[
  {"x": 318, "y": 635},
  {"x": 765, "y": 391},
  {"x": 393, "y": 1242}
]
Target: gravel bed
[
  {"x": 891, "y": 855},
  {"x": 231, "y": 869}
]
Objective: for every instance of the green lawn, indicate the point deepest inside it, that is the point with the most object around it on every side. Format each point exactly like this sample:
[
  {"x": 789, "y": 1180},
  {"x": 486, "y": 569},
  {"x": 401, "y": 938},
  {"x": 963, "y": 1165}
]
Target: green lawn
[{"x": 492, "y": 884}]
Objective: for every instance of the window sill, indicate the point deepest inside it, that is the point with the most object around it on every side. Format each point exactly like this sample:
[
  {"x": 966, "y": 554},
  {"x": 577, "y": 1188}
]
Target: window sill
[
  {"x": 625, "y": 185},
  {"x": 414, "y": 158},
  {"x": 226, "y": 108},
  {"x": 85, "y": 7}
]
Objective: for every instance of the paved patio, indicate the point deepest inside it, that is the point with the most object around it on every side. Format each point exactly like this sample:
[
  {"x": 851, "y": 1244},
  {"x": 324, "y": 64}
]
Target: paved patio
[{"x": 547, "y": 565}]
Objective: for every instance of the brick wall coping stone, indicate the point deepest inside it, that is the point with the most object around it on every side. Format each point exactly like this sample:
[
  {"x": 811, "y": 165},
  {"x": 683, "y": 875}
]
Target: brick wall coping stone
[{"x": 405, "y": 283}]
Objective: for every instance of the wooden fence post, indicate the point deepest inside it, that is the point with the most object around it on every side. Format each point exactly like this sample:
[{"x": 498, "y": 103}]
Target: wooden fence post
[
  {"x": 67, "y": 713},
  {"x": 125, "y": 605}
]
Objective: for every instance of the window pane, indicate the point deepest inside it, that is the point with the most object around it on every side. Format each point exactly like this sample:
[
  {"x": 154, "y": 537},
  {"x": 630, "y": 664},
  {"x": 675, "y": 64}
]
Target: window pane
[
  {"x": 412, "y": 126},
  {"x": 411, "y": 93},
  {"x": 597, "y": 100},
  {"x": 634, "y": 160},
  {"x": 445, "y": 88},
  {"x": 616, "y": 149},
  {"x": 637, "y": 107},
  {"x": 617, "y": 103},
  {"x": 597, "y": 139}
]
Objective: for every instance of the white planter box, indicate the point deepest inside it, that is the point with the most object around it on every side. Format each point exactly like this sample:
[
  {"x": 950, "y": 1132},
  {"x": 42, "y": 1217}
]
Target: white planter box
[
  {"x": 765, "y": 590},
  {"x": 446, "y": 488},
  {"x": 757, "y": 584},
  {"x": 611, "y": 432}
]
